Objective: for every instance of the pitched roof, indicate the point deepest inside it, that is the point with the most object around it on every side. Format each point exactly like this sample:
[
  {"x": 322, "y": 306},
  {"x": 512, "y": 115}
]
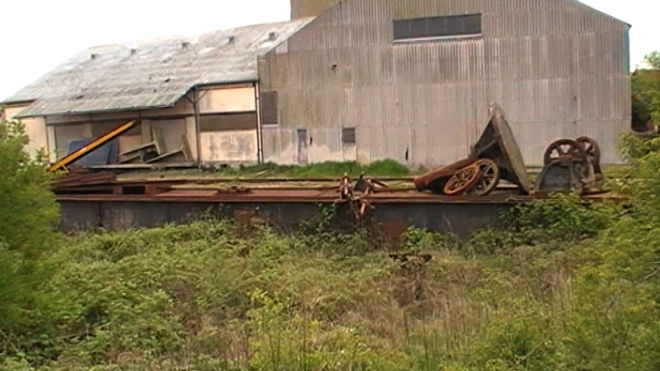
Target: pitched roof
[
  {"x": 151, "y": 73},
  {"x": 591, "y": 8}
]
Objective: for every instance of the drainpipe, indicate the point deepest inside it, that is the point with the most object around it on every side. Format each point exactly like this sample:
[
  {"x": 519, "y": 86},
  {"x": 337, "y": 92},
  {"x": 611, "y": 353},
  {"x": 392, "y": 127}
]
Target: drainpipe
[{"x": 260, "y": 135}]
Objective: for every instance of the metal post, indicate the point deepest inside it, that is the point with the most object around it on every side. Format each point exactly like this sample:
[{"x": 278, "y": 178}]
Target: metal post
[
  {"x": 260, "y": 138},
  {"x": 198, "y": 135}
]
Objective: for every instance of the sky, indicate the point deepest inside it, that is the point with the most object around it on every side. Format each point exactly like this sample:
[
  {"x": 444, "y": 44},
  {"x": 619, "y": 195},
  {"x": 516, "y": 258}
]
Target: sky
[{"x": 38, "y": 35}]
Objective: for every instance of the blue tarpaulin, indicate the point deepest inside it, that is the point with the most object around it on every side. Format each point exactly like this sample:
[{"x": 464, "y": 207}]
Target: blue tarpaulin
[{"x": 105, "y": 155}]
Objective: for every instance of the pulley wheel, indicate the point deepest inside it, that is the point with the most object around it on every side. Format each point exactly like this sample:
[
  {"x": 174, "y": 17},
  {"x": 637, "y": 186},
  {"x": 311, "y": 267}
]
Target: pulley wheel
[
  {"x": 563, "y": 148},
  {"x": 464, "y": 180},
  {"x": 592, "y": 149},
  {"x": 490, "y": 177}
]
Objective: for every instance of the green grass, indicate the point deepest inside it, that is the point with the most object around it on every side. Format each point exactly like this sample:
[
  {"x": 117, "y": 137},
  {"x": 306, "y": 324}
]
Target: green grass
[
  {"x": 386, "y": 168},
  {"x": 325, "y": 170}
]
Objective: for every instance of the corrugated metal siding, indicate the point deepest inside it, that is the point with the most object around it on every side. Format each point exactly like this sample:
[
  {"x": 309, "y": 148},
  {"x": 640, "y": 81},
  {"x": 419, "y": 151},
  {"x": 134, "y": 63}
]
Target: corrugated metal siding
[{"x": 557, "y": 67}]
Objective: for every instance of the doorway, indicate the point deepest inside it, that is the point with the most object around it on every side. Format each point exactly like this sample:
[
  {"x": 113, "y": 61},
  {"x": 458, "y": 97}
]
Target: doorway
[{"x": 302, "y": 147}]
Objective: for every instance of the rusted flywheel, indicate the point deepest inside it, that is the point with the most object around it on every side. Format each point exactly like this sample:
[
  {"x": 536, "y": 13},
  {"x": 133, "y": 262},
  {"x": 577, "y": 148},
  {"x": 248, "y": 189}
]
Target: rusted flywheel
[
  {"x": 490, "y": 177},
  {"x": 563, "y": 148},
  {"x": 463, "y": 181},
  {"x": 592, "y": 150}
]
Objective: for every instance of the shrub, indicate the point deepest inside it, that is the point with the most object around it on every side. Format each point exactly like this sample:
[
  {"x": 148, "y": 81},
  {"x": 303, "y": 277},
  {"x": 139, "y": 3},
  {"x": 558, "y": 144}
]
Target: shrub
[{"x": 28, "y": 215}]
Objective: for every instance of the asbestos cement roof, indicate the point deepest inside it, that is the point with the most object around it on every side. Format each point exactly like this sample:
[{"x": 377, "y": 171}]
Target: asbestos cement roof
[{"x": 151, "y": 73}]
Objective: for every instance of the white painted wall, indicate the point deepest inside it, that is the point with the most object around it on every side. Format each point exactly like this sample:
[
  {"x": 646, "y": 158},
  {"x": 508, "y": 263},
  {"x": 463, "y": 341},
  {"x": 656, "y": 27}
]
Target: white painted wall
[
  {"x": 229, "y": 146},
  {"x": 35, "y": 129},
  {"x": 227, "y": 100}
]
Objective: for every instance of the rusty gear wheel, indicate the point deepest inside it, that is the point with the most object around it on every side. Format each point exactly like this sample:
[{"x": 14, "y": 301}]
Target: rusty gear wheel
[
  {"x": 463, "y": 181},
  {"x": 592, "y": 150},
  {"x": 490, "y": 177},
  {"x": 563, "y": 148}
]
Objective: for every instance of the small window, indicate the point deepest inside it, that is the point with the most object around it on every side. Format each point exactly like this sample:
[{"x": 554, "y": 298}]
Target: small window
[
  {"x": 348, "y": 135},
  {"x": 446, "y": 27},
  {"x": 269, "y": 108}
]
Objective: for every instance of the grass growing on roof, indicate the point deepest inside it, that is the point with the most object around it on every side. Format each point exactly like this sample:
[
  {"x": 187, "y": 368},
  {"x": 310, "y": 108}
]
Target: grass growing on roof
[{"x": 330, "y": 169}]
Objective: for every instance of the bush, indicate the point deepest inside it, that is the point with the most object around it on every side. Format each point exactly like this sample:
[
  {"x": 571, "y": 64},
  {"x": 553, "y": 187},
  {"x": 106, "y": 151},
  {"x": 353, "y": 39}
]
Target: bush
[
  {"x": 28, "y": 215},
  {"x": 560, "y": 285}
]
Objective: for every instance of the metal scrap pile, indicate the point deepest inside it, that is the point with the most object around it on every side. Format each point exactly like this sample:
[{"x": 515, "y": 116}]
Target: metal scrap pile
[
  {"x": 569, "y": 165},
  {"x": 495, "y": 157},
  {"x": 357, "y": 196}
]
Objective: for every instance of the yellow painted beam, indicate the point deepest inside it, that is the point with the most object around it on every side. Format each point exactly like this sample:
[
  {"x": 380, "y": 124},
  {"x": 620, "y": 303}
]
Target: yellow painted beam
[{"x": 62, "y": 164}]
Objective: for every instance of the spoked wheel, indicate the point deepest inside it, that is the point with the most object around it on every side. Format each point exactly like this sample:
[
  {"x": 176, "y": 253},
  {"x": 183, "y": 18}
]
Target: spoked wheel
[
  {"x": 592, "y": 150},
  {"x": 563, "y": 148},
  {"x": 464, "y": 180},
  {"x": 490, "y": 177}
]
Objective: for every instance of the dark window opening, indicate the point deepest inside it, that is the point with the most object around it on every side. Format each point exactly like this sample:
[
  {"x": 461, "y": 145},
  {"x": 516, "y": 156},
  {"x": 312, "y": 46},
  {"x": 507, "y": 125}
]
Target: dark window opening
[
  {"x": 269, "y": 109},
  {"x": 133, "y": 190},
  {"x": 348, "y": 135},
  {"x": 453, "y": 26},
  {"x": 228, "y": 122}
]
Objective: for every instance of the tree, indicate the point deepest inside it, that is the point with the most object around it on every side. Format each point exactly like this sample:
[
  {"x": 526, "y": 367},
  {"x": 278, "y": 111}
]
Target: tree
[
  {"x": 646, "y": 94},
  {"x": 28, "y": 215},
  {"x": 653, "y": 60}
]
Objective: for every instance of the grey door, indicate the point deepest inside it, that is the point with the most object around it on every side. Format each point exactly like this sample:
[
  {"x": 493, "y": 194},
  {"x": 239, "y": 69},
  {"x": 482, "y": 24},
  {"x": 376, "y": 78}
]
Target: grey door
[{"x": 302, "y": 146}]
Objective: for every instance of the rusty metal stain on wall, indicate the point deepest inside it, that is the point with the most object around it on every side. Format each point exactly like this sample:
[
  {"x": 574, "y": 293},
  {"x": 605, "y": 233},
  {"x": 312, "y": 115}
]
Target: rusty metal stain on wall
[{"x": 557, "y": 67}]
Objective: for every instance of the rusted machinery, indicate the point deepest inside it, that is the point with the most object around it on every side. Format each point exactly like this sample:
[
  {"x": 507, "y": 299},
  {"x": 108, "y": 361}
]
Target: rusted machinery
[
  {"x": 496, "y": 156},
  {"x": 571, "y": 165},
  {"x": 357, "y": 196}
]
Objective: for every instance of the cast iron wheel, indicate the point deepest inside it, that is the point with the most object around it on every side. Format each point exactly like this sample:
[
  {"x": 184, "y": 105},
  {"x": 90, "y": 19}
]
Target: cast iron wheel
[
  {"x": 563, "y": 148},
  {"x": 592, "y": 149},
  {"x": 490, "y": 177},
  {"x": 464, "y": 180}
]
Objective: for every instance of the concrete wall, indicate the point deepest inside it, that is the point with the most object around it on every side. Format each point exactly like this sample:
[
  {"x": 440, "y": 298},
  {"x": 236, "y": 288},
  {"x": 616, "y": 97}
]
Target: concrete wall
[
  {"x": 557, "y": 67},
  {"x": 229, "y": 138},
  {"x": 240, "y": 99},
  {"x": 35, "y": 128},
  {"x": 228, "y": 126},
  {"x": 461, "y": 219}
]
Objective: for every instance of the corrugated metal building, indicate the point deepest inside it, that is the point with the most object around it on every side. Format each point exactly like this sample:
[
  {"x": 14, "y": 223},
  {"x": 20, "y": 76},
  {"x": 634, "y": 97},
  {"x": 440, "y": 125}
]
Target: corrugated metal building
[
  {"x": 411, "y": 80},
  {"x": 364, "y": 80}
]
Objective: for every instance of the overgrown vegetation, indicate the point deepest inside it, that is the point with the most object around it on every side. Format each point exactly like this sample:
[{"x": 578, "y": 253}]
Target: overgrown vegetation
[
  {"x": 385, "y": 168},
  {"x": 324, "y": 170},
  {"x": 645, "y": 85},
  {"x": 28, "y": 214},
  {"x": 559, "y": 285}
]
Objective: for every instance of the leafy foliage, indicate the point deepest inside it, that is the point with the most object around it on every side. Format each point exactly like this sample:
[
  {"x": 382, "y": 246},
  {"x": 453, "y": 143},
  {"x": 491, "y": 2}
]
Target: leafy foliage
[
  {"x": 645, "y": 86},
  {"x": 559, "y": 285},
  {"x": 28, "y": 213},
  {"x": 202, "y": 297},
  {"x": 653, "y": 60}
]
